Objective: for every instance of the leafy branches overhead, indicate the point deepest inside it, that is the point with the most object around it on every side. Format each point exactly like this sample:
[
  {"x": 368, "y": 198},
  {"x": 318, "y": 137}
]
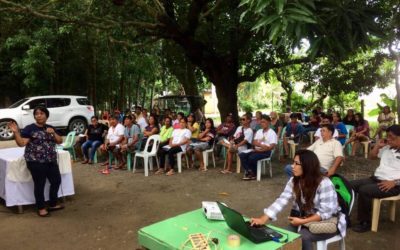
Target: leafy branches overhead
[{"x": 333, "y": 27}]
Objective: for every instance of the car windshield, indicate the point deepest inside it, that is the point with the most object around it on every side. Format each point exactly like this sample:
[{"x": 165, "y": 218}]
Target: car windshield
[{"x": 18, "y": 103}]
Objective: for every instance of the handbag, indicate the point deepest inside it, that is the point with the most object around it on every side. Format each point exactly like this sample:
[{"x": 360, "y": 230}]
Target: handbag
[{"x": 328, "y": 226}]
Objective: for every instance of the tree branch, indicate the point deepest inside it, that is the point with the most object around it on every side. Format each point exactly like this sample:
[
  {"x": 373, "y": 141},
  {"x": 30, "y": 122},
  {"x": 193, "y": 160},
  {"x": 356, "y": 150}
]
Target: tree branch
[
  {"x": 193, "y": 15},
  {"x": 127, "y": 44},
  {"x": 267, "y": 66}
]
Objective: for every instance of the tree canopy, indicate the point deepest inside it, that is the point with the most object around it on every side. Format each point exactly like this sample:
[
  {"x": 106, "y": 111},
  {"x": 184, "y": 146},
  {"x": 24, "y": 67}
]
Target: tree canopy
[{"x": 227, "y": 42}]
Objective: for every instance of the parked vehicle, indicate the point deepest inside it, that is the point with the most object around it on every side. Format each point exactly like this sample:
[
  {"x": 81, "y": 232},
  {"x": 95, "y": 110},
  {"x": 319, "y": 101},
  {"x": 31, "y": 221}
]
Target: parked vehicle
[{"x": 66, "y": 112}]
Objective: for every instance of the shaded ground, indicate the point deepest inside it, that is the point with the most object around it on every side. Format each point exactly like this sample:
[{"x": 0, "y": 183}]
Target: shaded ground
[{"x": 107, "y": 211}]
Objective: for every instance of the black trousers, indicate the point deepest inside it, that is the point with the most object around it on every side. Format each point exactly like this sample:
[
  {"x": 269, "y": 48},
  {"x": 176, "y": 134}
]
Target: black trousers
[
  {"x": 367, "y": 190},
  {"x": 171, "y": 152},
  {"x": 40, "y": 172}
]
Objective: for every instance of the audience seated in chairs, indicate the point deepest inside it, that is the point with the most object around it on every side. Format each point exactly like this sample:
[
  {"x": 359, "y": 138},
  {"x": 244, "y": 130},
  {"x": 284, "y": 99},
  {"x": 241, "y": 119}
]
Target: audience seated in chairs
[
  {"x": 275, "y": 123},
  {"x": 386, "y": 119},
  {"x": 255, "y": 124},
  {"x": 224, "y": 131},
  {"x": 350, "y": 118},
  {"x": 328, "y": 150},
  {"x": 241, "y": 139},
  {"x": 314, "y": 122},
  {"x": 193, "y": 126},
  {"x": 340, "y": 127},
  {"x": 131, "y": 134},
  {"x": 141, "y": 117},
  {"x": 204, "y": 141},
  {"x": 386, "y": 180},
  {"x": 94, "y": 138},
  {"x": 176, "y": 124},
  {"x": 294, "y": 131},
  {"x": 177, "y": 143},
  {"x": 360, "y": 133},
  {"x": 326, "y": 119},
  {"x": 114, "y": 138},
  {"x": 151, "y": 129},
  {"x": 264, "y": 141},
  {"x": 166, "y": 132}
]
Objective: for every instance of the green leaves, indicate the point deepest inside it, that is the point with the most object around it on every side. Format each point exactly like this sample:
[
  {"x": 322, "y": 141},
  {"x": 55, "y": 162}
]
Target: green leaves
[{"x": 332, "y": 27}]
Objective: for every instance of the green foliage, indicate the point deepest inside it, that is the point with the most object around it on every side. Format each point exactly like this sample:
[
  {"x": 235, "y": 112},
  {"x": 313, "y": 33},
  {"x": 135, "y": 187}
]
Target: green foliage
[
  {"x": 387, "y": 101},
  {"x": 334, "y": 27},
  {"x": 298, "y": 102},
  {"x": 344, "y": 101}
]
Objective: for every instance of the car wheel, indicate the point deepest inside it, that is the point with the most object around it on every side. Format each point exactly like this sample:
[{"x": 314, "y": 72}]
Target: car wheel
[
  {"x": 78, "y": 125},
  {"x": 5, "y": 132}
]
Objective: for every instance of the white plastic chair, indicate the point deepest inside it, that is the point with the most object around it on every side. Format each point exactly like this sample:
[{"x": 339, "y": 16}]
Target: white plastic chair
[
  {"x": 261, "y": 164},
  {"x": 323, "y": 244},
  {"x": 376, "y": 208},
  {"x": 206, "y": 155},
  {"x": 147, "y": 155},
  {"x": 179, "y": 160}
]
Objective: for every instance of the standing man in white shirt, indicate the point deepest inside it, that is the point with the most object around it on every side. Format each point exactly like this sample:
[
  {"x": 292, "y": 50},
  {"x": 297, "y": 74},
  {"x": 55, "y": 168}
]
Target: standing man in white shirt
[
  {"x": 384, "y": 183},
  {"x": 328, "y": 150},
  {"x": 264, "y": 141}
]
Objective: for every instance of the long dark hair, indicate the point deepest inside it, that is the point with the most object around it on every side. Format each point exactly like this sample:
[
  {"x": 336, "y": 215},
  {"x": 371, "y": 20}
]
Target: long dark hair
[
  {"x": 155, "y": 121},
  {"x": 361, "y": 121},
  {"x": 309, "y": 181}
]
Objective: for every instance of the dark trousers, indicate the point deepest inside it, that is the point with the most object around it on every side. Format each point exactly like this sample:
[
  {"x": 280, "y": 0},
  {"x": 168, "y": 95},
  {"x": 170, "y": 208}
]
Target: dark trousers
[
  {"x": 367, "y": 190},
  {"x": 171, "y": 152},
  {"x": 40, "y": 172},
  {"x": 249, "y": 160},
  {"x": 307, "y": 238}
]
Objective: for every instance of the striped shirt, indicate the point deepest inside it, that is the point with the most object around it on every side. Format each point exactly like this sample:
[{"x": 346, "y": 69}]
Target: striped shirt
[{"x": 325, "y": 203}]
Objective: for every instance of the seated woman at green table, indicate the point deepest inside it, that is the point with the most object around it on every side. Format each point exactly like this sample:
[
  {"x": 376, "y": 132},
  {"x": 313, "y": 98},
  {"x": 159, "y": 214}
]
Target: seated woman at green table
[{"x": 314, "y": 199}]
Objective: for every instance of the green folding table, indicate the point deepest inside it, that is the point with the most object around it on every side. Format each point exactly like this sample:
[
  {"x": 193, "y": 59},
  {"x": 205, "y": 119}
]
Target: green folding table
[{"x": 174, "y": 232}]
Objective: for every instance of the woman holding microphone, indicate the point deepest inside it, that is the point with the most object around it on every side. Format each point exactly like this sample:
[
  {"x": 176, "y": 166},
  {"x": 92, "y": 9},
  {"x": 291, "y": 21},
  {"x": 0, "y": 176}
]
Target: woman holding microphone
[{"x": 39, "y": 140}]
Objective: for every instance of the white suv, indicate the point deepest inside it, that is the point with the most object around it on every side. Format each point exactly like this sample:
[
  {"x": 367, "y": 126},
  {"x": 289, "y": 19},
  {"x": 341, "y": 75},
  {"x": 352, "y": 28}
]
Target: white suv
[{"x": 66, "y": 111}]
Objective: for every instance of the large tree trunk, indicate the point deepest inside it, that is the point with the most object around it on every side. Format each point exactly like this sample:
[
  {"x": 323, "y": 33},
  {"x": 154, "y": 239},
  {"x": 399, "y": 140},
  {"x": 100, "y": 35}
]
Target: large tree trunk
[
  {"x": 397, "y": 82},
  {"x": 226, "y": 84}
]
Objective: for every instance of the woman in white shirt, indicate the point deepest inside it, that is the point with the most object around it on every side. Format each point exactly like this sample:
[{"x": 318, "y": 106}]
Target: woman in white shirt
[{"x": 177, "y": 143}]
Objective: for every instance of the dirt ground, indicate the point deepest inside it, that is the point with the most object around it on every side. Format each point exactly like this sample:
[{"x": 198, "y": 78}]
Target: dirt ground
[{"x": 107, "y": 211}]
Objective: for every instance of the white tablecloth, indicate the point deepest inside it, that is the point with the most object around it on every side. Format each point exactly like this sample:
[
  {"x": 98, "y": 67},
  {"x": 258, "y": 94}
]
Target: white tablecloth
[{"x": 16, "y": 184}]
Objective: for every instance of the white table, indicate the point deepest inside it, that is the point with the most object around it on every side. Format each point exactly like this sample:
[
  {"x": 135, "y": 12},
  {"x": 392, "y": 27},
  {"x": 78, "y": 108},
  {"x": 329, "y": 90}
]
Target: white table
[{"x": 16, "y": 184}]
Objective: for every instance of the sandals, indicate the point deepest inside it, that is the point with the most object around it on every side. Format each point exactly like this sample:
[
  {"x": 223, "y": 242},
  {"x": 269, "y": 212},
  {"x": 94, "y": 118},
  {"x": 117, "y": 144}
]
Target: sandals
[
  {"x": 203, "y": 169},
  {"x": 58, "y": 207},
  {"x": 225, "y": 171},
  {"x": 159, "y": 171},
  {"x": 43, "y": 215},
  {"x": 170, "y": 172}
]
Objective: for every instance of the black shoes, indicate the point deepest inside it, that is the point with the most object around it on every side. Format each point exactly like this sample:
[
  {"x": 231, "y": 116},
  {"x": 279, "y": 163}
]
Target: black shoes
[{"x": 363, "y": 227}]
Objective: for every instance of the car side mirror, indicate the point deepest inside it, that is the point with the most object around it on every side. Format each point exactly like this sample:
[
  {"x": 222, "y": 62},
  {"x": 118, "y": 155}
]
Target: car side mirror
[{"x": 26, "y": 107}]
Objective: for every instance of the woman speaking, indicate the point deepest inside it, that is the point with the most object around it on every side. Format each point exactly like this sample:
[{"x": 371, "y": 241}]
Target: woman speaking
[{"x": 40, "y": 141}]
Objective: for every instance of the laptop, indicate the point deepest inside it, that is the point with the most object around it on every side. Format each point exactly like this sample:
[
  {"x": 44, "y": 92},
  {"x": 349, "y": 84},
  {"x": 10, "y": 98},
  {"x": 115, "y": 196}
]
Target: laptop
[{"x": 256, "y": 234}]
